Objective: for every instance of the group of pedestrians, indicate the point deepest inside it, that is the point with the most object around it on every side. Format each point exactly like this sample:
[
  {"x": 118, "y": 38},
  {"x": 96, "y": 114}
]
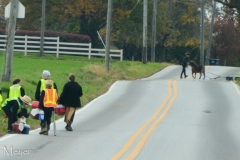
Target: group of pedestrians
[{"x": 16, "y": 103}]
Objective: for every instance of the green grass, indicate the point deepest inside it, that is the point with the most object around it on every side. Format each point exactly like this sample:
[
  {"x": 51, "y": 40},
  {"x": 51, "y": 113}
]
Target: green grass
[
  {"x": 238, "y": 82},
  {"x": 90, "y": 74}
]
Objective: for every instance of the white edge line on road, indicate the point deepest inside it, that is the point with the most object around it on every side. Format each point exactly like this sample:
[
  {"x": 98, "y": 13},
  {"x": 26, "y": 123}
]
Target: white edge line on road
[{"x": 57, "y": 121}]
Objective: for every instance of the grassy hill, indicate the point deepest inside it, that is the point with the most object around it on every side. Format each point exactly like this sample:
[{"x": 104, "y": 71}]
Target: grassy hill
[{"x": 90, "y": 74}]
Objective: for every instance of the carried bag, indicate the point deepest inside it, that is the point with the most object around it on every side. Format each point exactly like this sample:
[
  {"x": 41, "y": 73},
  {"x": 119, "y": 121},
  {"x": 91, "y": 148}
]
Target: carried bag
[{"x": 60, "y": 109}]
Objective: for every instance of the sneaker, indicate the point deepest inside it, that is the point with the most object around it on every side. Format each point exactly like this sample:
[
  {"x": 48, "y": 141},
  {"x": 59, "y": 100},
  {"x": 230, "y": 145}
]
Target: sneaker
[
  {"x": 11, "y": 132},
  {"x": 45, "y": 133},
  {"x": 186, "y": 76},
  {"x": 68, "y": 128}
]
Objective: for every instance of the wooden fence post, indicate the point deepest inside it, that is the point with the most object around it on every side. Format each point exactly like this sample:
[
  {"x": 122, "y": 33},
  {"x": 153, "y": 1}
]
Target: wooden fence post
[
  {"x": 57, "y": 47},
  {"x": 25, "y": 46},
  {"x": 89, "y": 50},
  {"x": 121, "y": 55}
]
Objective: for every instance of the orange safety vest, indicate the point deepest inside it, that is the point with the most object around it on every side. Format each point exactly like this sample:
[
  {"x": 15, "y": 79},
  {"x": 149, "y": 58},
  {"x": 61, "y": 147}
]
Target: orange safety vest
[{"x": 50, "y": 98}]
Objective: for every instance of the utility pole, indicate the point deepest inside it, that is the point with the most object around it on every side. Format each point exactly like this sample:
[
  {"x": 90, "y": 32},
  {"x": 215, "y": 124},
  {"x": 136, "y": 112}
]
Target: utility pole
[
  {"x": 10, "y": 40},
  {"x": 1, "y": 16},
  {"x": 202, "y": 34},
  {"x": 108, "y": 33},
  {"x": 210, "y": 34},
  {"x": 144, "y": 50},
  {"x": 153, "y": 30},
  {"x": 42, "y": 28}
]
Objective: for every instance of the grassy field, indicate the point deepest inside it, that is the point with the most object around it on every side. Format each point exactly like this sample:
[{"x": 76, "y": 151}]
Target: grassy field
[
  {"x": 238, "y": 82},
  {"x": 90, "y": 74}
]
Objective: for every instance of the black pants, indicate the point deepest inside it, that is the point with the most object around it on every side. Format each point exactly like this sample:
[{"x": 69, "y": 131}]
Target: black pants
[
  {"x": 183, "y": 71},
  {"x": 11, "y": 113},
  {"x": 47, "y": 115}
]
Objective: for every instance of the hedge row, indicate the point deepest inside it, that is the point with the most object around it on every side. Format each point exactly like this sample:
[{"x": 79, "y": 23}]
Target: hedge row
[{"x": 64, "y": 37}]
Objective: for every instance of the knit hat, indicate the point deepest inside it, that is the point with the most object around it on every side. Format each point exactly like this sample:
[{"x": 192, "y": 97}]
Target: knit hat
[
  {"x": 26, "y": 99},
  {"x": 46, "y": 73},
  {"x": 48, "y": 82}
]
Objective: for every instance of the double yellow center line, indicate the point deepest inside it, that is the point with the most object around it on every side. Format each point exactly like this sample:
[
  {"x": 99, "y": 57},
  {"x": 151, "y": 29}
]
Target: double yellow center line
[{"x": 172, "y": 85}]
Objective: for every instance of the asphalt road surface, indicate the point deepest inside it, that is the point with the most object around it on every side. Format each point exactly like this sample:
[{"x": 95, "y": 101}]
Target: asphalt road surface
[{"x": 161, "y": 117}]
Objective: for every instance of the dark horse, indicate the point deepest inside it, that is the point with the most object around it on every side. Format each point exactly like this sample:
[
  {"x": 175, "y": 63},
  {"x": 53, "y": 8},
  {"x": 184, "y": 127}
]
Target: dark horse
[{"x": 197, "y": 69}]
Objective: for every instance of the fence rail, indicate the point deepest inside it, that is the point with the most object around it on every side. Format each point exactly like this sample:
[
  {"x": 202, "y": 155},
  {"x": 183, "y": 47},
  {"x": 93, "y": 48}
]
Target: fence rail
[{"x": 30, "y": 44}]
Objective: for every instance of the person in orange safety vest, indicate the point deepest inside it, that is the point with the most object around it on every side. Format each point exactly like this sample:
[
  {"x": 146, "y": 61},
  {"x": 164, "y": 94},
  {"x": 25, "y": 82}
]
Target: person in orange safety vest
[{"x": 47, "y": 103}]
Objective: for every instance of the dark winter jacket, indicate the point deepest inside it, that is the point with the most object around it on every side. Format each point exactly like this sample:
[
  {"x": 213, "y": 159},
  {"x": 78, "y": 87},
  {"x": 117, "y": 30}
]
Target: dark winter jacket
[
  {"x": 15, "y": 104},
  {"x": 71, "y": 94},
  {"x": 24, "y": 112},
  {"x": 185, "y": 61}
]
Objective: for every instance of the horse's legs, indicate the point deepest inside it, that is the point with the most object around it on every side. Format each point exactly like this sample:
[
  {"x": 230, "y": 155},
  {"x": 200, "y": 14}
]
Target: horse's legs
[
  {"x": 200, "y": 75},
  {"x": 195, "y": 75}
]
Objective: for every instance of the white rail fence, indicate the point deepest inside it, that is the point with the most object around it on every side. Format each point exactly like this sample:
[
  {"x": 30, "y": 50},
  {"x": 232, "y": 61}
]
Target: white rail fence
[{"x": 30, "y": 44}]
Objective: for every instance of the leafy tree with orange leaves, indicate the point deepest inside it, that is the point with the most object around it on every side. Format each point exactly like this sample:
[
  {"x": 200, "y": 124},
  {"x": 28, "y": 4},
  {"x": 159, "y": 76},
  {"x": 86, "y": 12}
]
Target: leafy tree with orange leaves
[
  {"x": 226, "y": 37},
  {"x": 90, "y": 15}
]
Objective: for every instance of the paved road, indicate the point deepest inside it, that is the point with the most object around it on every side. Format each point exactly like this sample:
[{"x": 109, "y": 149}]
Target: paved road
[{"x": 160, "y": 117}]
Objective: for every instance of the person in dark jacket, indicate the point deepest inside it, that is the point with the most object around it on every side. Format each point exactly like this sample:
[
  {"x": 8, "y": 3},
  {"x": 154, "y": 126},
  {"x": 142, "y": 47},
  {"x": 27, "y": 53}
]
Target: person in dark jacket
[
  {"x": 14, "y": 108},
  {"x": 184, "y": 65},
  {"x": 70, "y": 98},
  {"x": 41, "y": 84},
  {"x": 16, "y": 90}
]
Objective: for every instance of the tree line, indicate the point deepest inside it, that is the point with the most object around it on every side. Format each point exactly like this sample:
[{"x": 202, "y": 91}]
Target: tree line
[{"x": 177, "y": 31}]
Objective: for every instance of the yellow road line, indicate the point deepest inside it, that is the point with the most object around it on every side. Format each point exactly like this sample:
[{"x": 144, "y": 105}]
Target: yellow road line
[
  {"x": 129, "y": 143},
  {"x": 144, "y": 139}
]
